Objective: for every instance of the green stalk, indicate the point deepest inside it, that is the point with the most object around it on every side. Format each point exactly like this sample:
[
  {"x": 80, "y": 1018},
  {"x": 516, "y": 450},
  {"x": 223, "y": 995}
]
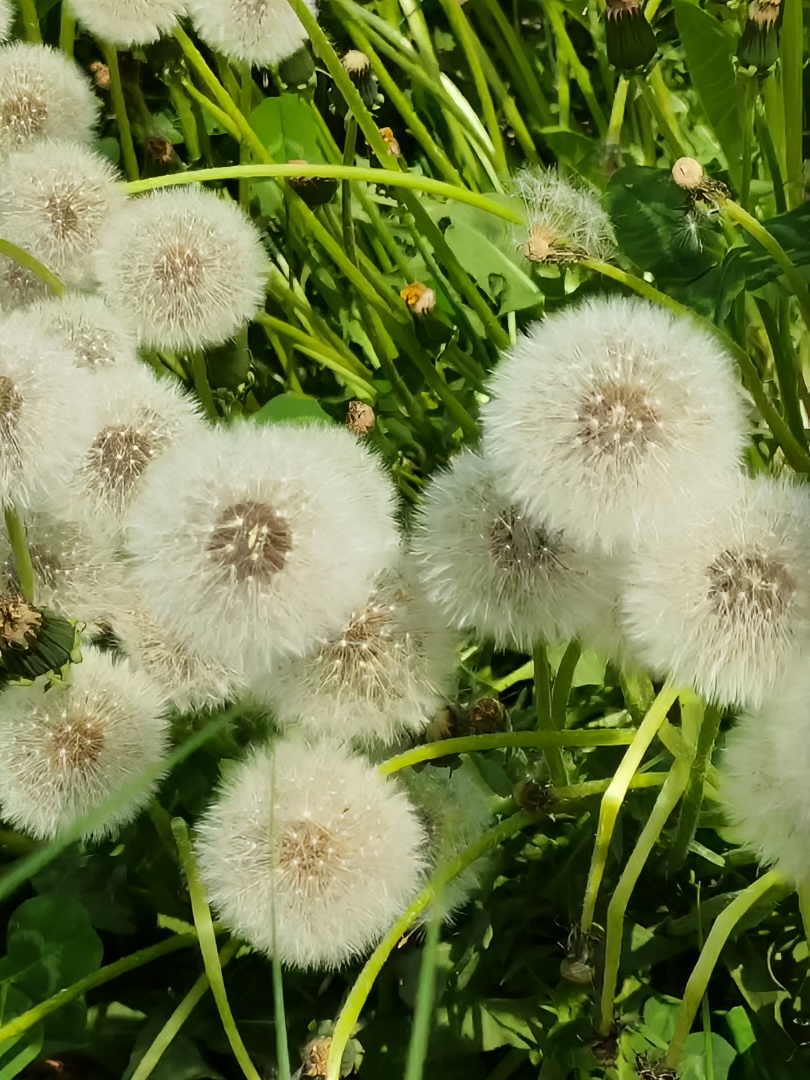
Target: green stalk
[
  {"x": 67, "y": 29},
  {"x": 545, "y": 722},
  {"x": 511, "y": 112},
  {"x": 788, "y": 372},
  {"x": 120, "y": 107},
  {"x": 588, "y": 788},
  {"x": 693, "y": 798},
  {"x": 710, "y": 954},
  {"x": 471, "y": 744},
  {"x": 27, "y": 1020},
  {"x": 359, "y": 380},
  {"x": 665, "y": 124},
  {"x": 514, "y": 53},
  {"x": 217, "y": 115},
  {"x": 30, "y": 18},
  {"x": 359, "y": 993},
  {"x": 26, "y": 574},
  {"x": 425, "y": 996},
  {"x": 772, "y": 161},
  {"x": 280, "y": 1018},
  {"x": 614, "y": 796},
  {"x": 245, "y": 105},
  {"x": 614, "y": 132},
  {"x": 346, "y": 212},
  {"x": 562, "y": 684},
  {"x": 38, "y": 269},
  {"x": 208, "y": 947},
  {"x": 566, "y": 48},
  {"x": 171, "y": 1029},
  {"x": 792, "y": 65}
]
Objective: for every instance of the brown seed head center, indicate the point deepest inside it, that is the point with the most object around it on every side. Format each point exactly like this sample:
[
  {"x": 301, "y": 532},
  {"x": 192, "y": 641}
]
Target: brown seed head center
[
  {"x": 10, "y": 406},
  {"x": 513, "y": 543},
  {"x": 180, "y": 267},
  {"x": 359, "y": 655},
  {"x": 93, "y": 347},
  {"x": 616, "y": 419},
  {"x": 310, "y": 857},
  {"x": 745, "y": 585},
  {"x": 63, "y": 214},
  {"x": 252, "y": 540},
  {"x": 24, "y": 113},
  {"x": 119, "y": 456},
  {"x": 76, "y": 744}
]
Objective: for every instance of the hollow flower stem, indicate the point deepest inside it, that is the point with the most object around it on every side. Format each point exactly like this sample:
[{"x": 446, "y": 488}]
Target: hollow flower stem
[
  {"x": 545, "y": 720},
  {"x": 22, "y": 555},
  {"x": 38, "y": 269},
  {"x": 121, "y": 115}
]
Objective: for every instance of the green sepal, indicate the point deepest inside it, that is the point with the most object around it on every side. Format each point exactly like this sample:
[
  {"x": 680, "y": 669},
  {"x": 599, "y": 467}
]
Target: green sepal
[
  {"x": 630, "y": 40},
  {"x": 54, "y": 648},
  {"x": 759, "y": 45},
  {"x": 314, "y": 190}
]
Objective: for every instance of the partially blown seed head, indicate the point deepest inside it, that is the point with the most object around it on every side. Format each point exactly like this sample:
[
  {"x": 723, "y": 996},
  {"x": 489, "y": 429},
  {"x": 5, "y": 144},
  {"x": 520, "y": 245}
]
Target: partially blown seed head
[
  {"x": 564, "y": 223},
  {"x": 128, "y": 22},
  {"x": 309, "y": 854},
  {"x": 258, "y": 32}
]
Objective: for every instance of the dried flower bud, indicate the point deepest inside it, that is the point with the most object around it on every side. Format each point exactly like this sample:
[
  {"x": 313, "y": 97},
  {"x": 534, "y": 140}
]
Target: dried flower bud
[
  {"x": 19, "y": 622},
  {"x": 629, "y": 37},
  {"x": 32, "y": 642},
  {"x": 360, "y": 418},
  {"x": 315, "y": 1057},
  {"x": 358, "y": 68},
  {"x": 101, "y": 74},
  {"x": 688, "y": 173},
  {"x": 532, "y": 796},
  {"x": 419, "y": 298},
  {"x": 486, "y": 717},
  {"x": 160, "y": 150},
  {"x": 390, "y": 141},
  {"x": 314, "y": 190}
]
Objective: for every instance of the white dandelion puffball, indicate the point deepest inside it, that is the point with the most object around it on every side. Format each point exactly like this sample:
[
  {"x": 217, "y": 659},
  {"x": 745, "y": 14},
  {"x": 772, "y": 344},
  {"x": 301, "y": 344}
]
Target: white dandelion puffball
[
  {"x": 55, "y": 198},
  {"x": 610, "y": 418},
  {"x": 723, "y": 604},
  {"x": 139, "y": 418},
  {"x": 309, "y": 854},
  {"x": 257, "y": 32},
  {"x": 19, "y": 286},
  {"x": 764, "y": 770},
  {"x": 564, "y": 222},
  {"x": 6, "y": 19},
  {"x": 492, "y": 572},
  {"x": 66, "y": 749},
  {"x": 97, "y": 337},
  {"x": 273, "y": 536},
  {"x": 455, "y": 808},
  {"x": 43, "y": 95},
  {"x": 383, "y": 675},
  {"x": 128, "y": 22},
  {"x": 185, "y": 268},
  {"x": 47, "y": 410}
]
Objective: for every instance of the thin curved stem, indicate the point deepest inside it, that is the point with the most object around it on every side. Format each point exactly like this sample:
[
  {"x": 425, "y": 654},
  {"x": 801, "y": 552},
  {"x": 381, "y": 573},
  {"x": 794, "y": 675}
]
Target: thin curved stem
[
  {"x": 120, "y": 106},
  {"x": 425, "y": 996},
  {"x": 693, "y": 797},
  {"x": 545, "y": 722},
  {"x": 357, "y": 376},
  {"x": 614, "y": 796},
  {"x": 562, "y": 684},
  {"x": 38, "y": 269},
  {"x": 26, "y": 575},
  {"x": 199, "y": 372}
]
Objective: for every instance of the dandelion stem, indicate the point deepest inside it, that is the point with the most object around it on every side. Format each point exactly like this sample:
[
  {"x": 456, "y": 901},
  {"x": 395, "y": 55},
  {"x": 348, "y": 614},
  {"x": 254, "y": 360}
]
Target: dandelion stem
[
  {"x": 120, "y": 107},
  {"x": 614, "y": 132},
  {"x": 280, "y": 1017},
  {"x": 359, "y": 993},
  {"x": 199, "y": 371},
  {"x": 359, "y": 380},
  {"x": 614, "y": 796},
  {"x": 425, "y": 997},
  {"x": 346, "y": 212},
  {"x": 792, "y": 65},
  {"x": 208, "y": 947},
  {"x": 170, "y": 1030},
  {"x": 26, "y": 574},
  {"x": 545, "y": 722},
  {"x": 38, "y": 269},
  {"x": 693, "y": 798},
  {"x": 67, "y": 29},
  {"x": 30, "y": 18},
  {"x": 562, "y": 684},
  {"x": 710, "y": 954}
]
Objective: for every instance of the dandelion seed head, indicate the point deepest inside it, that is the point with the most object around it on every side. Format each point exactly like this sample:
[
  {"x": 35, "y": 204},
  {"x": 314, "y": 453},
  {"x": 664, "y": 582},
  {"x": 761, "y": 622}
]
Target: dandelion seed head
[
  {"x": 257, "y": 32},
  {"x": 564, "y": 223},
  {"x": 128, "y": 22},
  {"x": 6, "y": 19},
  {"x": 251, "y": 540},
  {"x": 20, "y": 288},
  {"x": 98, "y": 339},
  {"x": 317, "y": 840}
]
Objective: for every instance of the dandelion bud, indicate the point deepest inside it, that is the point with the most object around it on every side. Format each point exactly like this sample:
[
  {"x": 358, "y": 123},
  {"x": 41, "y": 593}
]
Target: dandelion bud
[
  {"x": 759, "y": 45},
  {"x": 33, "y": 641},
  {"x": 610, "y": 417},
  {"x": 258, "y": 32},
  {"x": 629, "y": 37},
  {"x": 564, "y": 223},
  {"x": 314, "y": 190},
  {"x": 161, "y": 150},
  {"x": 309, "y": 854},
  {"x": 98, "y": 339},
  {"x": 43, "y": 95},
  {"x": 492, "y": 572},
  {"x": 101, "y": 75},
  {"x": 67, "y": 748},
  {"x": 487, "y": 716},
  {"x": 128, "y": 22},
  {"x": 383, "y": 675},
  {"x": 185, "y": 268},
  {"x": 360, "y": 418},
  {"x": 358, "y": 68},
  {"x": 390, "y": 141},
  {"x": 419, "y": 298},
  {"x": 274, "y": 536},
  {"x": 54, "y": 200}
]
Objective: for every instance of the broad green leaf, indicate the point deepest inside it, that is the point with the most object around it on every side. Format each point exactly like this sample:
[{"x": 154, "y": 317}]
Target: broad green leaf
[
  {"x": 694, "y": 1064},
  {"x": 291, "y": 408},
  {"x": 287, "y": 128},
  {"x": 709, "y": 50}
]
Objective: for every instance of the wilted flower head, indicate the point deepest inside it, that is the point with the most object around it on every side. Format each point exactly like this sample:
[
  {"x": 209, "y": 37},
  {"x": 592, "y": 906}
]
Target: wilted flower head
[
  {"x": 128, "y": 22},
  {"x": 43, "y": 95},
  {"x": 46, "y": 412},
  {"x": 629, "y": 37},
  {"x": 65, "y": 749},
  {"x": 139, "y": 417},
  {"x": 258, "y": 32},
  {"x": 724, "y": 603},
  {"x": 384, "y": 674},
  {"x": 564, "y": 222},
  {"x": 273, "y": 535},
  {"x": 97, "y": 338},
  {"x": 54, "y": 199},
  {"x": 185, "y": 268},
  {"x": 491, "y": 571},
  {"x": 309, "y": 854},
  {"x": 609, "y": 419}
]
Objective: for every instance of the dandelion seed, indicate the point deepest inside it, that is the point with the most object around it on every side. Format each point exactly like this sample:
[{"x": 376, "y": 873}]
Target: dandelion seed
[
  {"x": 274, "y": 536},
  {"x": 55, "y": 198},
  {"x": 97, "y": 338},
  {"x": 610, "y": 419},
  {"x": 724, "y": 604},
  {"x": 67, "y": 748},
  {"x": 257, "y": 32},
  {"x": 128, "y": 22},
  {"x": 564, "y": 223},
  {"x": 383, "y": 675},
  {"x": 309, "y": 854},
  {"x": 490, "y": 571},
  {"x": 185, "y": 268},
  {"x": 43, "y": 95}
]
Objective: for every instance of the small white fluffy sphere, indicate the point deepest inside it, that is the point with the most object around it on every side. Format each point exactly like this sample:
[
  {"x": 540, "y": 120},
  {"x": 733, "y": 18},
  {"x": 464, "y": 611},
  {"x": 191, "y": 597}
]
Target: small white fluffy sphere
[
  {"x": 384, "y": 675},
  {"x": 611, "y": 418},
  {"x": 184, "y": 267},
  {"x": 43, "y": 95},
  {"x": 723, "y": 604},
  {"x": 64, "y": 750},
  {"x": 564, "y": 222},
  {"x": 139, "y": 418},
  {"x": 97, "y": 337},
  {"x": 309, "y": 854},
  {"x": 764, "y": 769},
  {"x": 55, "y": 198},
  {"x": 254, "y": 542},
  {"x": 128, "y": 22},
  {"x": 47, "y": 410},
  {"x": 258, "y": 32},
  {"x": 492, "y": 572}
]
